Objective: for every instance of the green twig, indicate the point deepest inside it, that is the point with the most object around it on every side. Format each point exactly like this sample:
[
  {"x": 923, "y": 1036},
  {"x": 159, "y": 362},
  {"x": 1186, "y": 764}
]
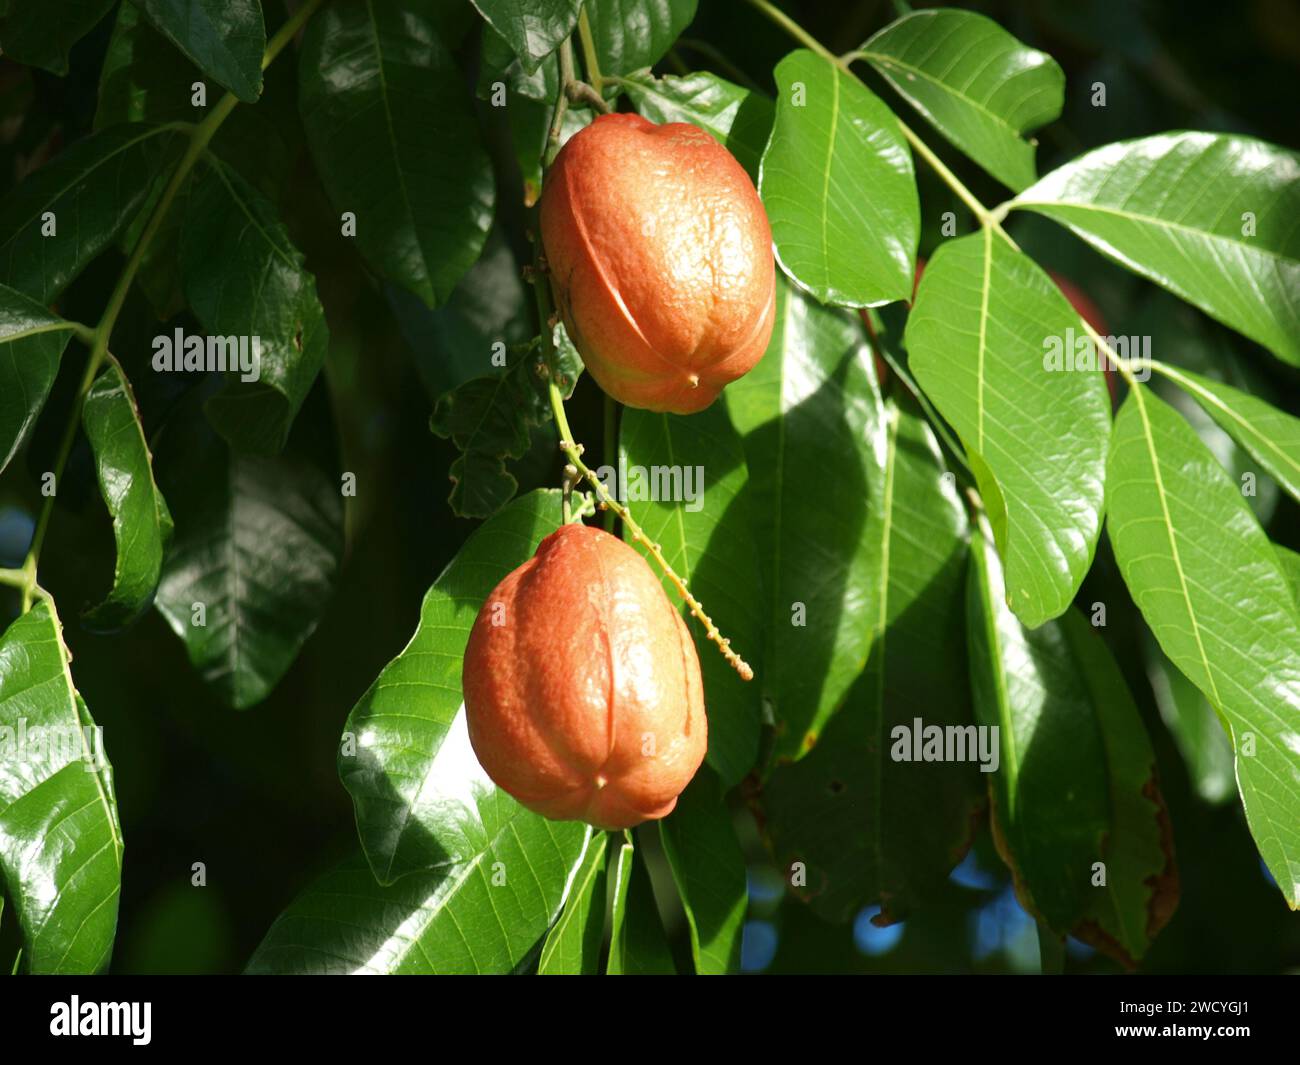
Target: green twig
[
  {"x": 561, "y": 105},
  {"x": 611, "y": 450},
  {"x": 579, "y": 92},
  {"x": 573, "y": 452},
  {"x": 590, "y": 60}
]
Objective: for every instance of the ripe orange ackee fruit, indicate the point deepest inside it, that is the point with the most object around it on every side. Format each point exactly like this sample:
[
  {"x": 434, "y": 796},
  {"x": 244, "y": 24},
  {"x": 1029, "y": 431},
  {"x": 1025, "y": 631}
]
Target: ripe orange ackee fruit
[
  {"x": 661, "y": 258},
  {"x": 582, "y": 686}
]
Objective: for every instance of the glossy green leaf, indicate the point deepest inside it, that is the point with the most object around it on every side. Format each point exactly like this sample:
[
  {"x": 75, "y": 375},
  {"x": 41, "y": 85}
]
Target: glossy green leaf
[
  {"x": 1196, "y": 728},
  {"x": 1210, "y": 216},
  {"x": 256, "y": 551},
  {"x": 633, "y": 34},
  {"x": 708, "y": 867},
  {"x": 142, "y": 525},
  {"x": 484, "y": 911},
  {"x": 31, "y": 344},
  {"x": 144, "y": 78},
  {"x": 498, "y": 63},
  {"x": 454, "y": 343},
  {"x": 572, "y": 947},
  {"x": 811, "y": 419},
  {"x": 392, "y": 128},
  {"x": 837, "y": 181},
  {"x": 869, "y": 828},
  {"x": 1026, "y": 685},
  {"x": 245, "y": 280},
  {"x": 982, "y": 340},
  {"x": 1142, "y": 887},
  {"x": 1290, "y": 561},
  {"x": 1270, "y": 435},
  {"x": 532, "y": 28},
  {"x": 1203, "y": 347},
  {"x": 83, "y": 198},
  {"x": 223, "y": 38},
  {"x": 1211, "y": 587},
  {"x": 737, "y": 118},
  {"x": 41, "y": 34},
  {"x": 406, "y": 755},
  {"x": 637, "y": 946},
  {"x": 974, "y": 82},
  {"x": 683, "y": 480},
  {"x": 60, "y": 839},
  {"x": 1063, "y": 713}
]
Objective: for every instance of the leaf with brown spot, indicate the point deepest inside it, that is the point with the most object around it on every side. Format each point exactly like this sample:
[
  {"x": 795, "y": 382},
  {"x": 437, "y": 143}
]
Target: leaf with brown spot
[{"x": 1076, "y": 782}]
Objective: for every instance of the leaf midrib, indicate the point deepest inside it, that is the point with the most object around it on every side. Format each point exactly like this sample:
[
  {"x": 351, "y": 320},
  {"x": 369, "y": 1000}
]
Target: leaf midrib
[{"x": 1176, "y": 558}]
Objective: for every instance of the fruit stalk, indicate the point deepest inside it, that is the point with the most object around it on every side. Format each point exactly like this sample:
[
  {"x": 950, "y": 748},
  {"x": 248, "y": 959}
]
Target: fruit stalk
[{"x": 573, "y": 452}]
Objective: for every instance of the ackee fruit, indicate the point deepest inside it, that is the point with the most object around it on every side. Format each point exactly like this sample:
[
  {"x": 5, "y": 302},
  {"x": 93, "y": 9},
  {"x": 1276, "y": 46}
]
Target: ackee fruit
[
  {"x": 660, "y": 255},
  {"x": 582, "y": 685}
]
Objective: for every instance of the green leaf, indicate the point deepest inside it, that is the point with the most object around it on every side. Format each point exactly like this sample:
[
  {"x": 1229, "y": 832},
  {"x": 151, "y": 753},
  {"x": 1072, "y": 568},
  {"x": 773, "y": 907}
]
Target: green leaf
[
  {"x": 142, "y": 525},
  {"x": 88, "y": 194},
  {"x": 632, "y": 34},
  {"x": 708, "y": 540},
  {"x": 246, "y": 280},
  {"x": 223, "y": 38},
  {"x": 406, "y": 753},
  {"x": 392, "y": 128},
  {"x": 1209, "y": 216},
  {"x": 974, "y": 82},
  {"x": 1196, "y": 728},
  {"x": 869, "y": 828},
  {"x": 980, "y": 340},
  {"x": 1141, "y": 889},
  {"x": 1290, "y": 568},
  {"x": 489, "y": 419},
  {"x": 497, "y": 62},
  {"x": 454, "y": 343},
  {"x": 483, "y": 912},
  {"x": 572, "y": 947},
  {"x": 637, "y": 946},
  {"x": 60, "y": 838},
  {"x": 1270, "y": 435},
  {"x": 708, "y": 867},
  {"x": 256, "y": 551},
  {"x": 144, "y": 78},
  {"x": 811, "y": 418},
  {"x": 837, "y": 181},
  {"x": 41, "y": 34},
  {"x": 1210, "y": 586},
  {"x": 532, "y": 28},
  {"x": 31, "y": 344},
  {"x": 1076, "y": 781},
  {"x": 1049, "y": 804},
  {"x": 737, "y": 118}
]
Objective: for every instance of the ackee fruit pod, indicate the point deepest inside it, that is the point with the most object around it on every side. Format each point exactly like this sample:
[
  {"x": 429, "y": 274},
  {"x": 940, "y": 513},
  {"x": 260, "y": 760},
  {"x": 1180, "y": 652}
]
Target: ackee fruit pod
[
  {"x": 582, "y": 685},
  {"x": 660, "y": 255}
]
